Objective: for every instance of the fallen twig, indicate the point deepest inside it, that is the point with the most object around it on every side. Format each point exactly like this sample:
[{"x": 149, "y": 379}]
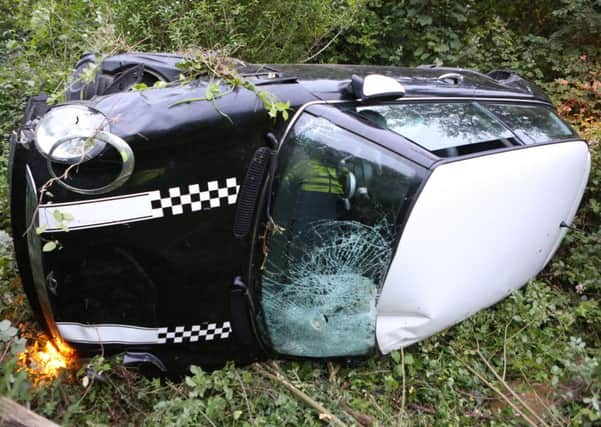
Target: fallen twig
[
  {"x": 13, "y": 414},
  {"x": 274, "y": 375},
  {"x": 505, "y": 398},
  {"x": 403, "y": 394},
  {"x": 513, "y": 393},
  {"x": 422, "y": 408},
  {"x": 505, "y": 352},
  {"x": 250, "y": 412},
  {"x": 333, "y": 371},
  {"x": 553, "y": 413},
  {"x": 362, "y": 419}
]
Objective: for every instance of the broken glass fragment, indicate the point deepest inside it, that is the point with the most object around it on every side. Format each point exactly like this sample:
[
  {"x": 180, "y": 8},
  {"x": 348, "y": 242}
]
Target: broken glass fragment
[{"x": 319, "y": 298}]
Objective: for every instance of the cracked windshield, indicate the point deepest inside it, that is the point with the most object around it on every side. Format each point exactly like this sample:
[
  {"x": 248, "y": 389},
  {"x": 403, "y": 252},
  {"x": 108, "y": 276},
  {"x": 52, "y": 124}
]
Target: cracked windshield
[{"x": 337, "y": 202}]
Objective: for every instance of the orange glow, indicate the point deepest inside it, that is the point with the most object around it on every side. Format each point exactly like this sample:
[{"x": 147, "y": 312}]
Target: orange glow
[{"x": 44, "y": 360}]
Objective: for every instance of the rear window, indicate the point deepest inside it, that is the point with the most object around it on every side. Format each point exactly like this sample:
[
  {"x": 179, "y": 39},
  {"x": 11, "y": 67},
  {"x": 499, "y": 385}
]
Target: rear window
[{"x": 456, "y": 128}]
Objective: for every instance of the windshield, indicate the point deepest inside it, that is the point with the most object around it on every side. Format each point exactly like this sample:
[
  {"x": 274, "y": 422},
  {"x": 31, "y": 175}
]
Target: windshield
[{"x": 336, "y": 204}]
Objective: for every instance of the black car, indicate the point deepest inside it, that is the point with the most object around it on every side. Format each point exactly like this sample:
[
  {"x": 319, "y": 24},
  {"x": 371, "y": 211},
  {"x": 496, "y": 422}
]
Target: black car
[{"x": 392, "y": 203}]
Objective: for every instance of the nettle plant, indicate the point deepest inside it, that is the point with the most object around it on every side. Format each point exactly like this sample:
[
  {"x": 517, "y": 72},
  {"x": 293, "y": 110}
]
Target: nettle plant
[
  {"x": 221, "y": 71},
  {"x": 13, "y": 382}
]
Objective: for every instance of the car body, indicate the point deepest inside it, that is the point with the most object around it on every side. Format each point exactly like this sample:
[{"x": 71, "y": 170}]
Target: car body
[{"x": 393, "y": 203}]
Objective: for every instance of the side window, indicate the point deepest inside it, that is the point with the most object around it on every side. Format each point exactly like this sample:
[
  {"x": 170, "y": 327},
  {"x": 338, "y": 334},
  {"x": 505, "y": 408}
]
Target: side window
[
  {"x": 337, "y": 201},
  {"x": 446, "y": 129},
  {"x": 437, "y": 126},
  {"x": 532, "y": 123}
]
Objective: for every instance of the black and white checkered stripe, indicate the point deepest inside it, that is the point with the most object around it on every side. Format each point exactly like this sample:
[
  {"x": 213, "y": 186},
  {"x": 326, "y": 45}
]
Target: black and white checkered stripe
[
  {"x": 204, "y": 332},
  {"x": 108, "y": 333},
  {"x": 149, "y": 205},
  {"x": 179, "y": 200}
]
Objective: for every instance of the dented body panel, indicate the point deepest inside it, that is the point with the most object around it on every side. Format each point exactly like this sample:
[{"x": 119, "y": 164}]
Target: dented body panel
[{"x": 481, "y": 228}]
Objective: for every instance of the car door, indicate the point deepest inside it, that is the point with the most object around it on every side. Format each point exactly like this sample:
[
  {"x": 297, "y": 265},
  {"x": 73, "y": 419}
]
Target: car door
[{"x": 337, "y": 206}]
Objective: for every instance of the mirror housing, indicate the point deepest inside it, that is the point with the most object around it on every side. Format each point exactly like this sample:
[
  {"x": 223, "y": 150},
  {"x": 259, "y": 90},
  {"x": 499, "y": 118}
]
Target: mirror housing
[{"x": 376, "y": 86}]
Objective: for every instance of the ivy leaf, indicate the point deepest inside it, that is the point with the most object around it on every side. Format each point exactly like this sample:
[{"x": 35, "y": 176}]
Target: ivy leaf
[
  {"x": 139, "y": 87},
  {"x": 18, "y": 346},
  {"x": 49, "y": 246},
  {"x": 213, "y": 91},
  {"x": 40, "y": 229},
  {"x": 8, "y": 333}
]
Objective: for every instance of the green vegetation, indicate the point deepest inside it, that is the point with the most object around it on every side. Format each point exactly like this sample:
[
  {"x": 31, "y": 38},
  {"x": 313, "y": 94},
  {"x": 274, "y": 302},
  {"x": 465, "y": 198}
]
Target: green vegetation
[{"x": 543, "y": 343}]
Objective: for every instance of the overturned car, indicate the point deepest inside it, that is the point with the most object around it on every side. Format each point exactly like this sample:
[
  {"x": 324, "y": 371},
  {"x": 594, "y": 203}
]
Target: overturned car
[{"x": 391, "y": 204}]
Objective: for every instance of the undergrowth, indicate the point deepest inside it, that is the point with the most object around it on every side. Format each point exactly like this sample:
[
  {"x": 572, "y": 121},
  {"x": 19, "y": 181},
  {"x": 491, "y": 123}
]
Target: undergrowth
[{"x": 537, "y": 352}]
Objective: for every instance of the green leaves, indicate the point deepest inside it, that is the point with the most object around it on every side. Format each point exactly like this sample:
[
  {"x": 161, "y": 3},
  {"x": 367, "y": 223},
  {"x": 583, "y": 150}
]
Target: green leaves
[
  {"x": 50, "y": 246},
  {"x": 62, "y": 219},
  {"x": 221, "y": 71},
  {"x": 213, "y": 91},
  {"x": 139, "y": 87},
  {"x": 272, "y": 105},
  {"x": 9, "y": 337},
  {"x": 7, "y": 331},
  {"x": 424, "y": 20}
]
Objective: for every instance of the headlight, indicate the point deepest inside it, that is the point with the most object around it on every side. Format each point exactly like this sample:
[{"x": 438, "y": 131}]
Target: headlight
[{"x": 76, "y": 123}]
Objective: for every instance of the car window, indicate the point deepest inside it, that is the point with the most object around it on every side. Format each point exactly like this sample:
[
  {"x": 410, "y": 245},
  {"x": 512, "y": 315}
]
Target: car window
[
  {"x": 531, "y": 123},
  {"x": 337, "y": 201},
  {"x": 438, "y": 127}
]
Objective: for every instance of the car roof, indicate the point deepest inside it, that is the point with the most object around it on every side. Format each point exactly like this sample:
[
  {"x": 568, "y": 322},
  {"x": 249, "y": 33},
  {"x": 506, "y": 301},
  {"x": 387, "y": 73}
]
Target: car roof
[
  {"x": 327, "y": 80},
  {"x": 330, "y": 81},
  {"x": 158, "y": 113}
]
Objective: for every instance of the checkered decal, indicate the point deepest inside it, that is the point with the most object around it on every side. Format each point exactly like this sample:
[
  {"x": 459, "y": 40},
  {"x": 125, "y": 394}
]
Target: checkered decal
[
  {"x": 179, "y": 200},
  {"x": 204, "y": 332}
]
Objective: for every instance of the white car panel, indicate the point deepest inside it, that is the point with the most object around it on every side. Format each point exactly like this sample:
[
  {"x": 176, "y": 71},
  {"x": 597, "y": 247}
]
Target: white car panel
[{"x": 481, "y": 228}]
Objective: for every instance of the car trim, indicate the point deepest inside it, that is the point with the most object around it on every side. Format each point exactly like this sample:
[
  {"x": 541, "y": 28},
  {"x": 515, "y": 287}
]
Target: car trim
[
  {"x": 108, "y": 333},
  {"x": 445, "y": 160},
  {"x": 148, "y": 205},
  {"x": 34, "y": 250}
]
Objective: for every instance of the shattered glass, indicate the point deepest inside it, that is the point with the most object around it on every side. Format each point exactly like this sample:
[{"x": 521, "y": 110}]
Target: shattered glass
[
  {"x": 320, "y": 298},
  {"x": 336, "y": 203}
]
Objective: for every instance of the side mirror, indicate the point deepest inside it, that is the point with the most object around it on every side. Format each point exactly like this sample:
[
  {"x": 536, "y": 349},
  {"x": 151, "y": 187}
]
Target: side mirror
[{"x": 376, "y": 86}]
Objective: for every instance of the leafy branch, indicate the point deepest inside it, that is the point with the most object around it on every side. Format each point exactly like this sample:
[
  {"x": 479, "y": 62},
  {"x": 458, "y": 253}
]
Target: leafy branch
[{"x": 221, "y": 69}]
